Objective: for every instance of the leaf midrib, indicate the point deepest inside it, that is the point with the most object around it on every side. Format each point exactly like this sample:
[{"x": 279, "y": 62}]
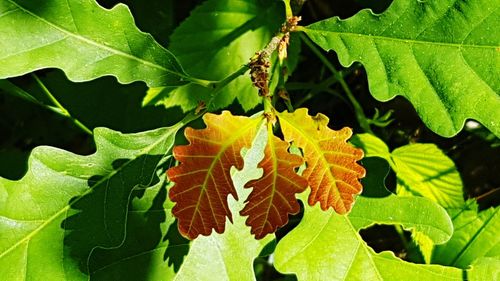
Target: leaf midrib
[
  {"x": 99, "y": 45},
  {"x": 33, "y": 233},
  {"x": 400, "y": 40},
  {"x": 319, "y": 151},
  {"x": 362, "y": 244},
  {"x": 274, "y": 160}
]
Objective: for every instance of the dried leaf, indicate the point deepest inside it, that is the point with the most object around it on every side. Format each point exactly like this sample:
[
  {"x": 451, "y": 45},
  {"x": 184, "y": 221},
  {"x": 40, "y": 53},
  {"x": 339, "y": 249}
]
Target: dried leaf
[
  {"x": 203, "y": 180},
  {"x": 273, "y": 195},
  {"x": 332, "y": 171}
]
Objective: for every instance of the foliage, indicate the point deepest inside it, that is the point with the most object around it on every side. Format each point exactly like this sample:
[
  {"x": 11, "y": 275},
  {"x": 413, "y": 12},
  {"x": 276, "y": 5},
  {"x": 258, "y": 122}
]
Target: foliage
[
  {"x": 335, "y": 160},
  {"x": 229, "y": 256},
  {"x": 231, "y": 33},
  {"x": 419, "y": 50},
  {"x": 202, "y": 180},
  {"x": 154, "y": 204},
  {"x": 62, "y": 29},
  {"x": 328, "y": 244},
  {"x": 50, "y": 232},
  {"x": 421, "y": 169},
  {"x": 474, "y": 237}
]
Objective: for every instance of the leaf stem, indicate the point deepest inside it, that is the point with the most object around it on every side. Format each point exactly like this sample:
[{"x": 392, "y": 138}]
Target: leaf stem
[
  {"x": 289, "y": 105},
  {"x": 263, "y": 54},
  {"x": 288, "y": 9},
  {"x": 314, "y": 88},
  {"x": 63, "y": 110},
  {"x": 201, "y": 82},
  {"x": 219, "y": 85},
  {"x": 12, "y": 89},
  {"x": 222, "y": 83},
  {"x": 360, "y": 115},
  {"x": 401, "y": 233},
  {"x": 283, "y": 77},
  {"x": 486, "y": 194},
  {"x": 305, "y": 98},
  {"x": 268, "y": 106}
]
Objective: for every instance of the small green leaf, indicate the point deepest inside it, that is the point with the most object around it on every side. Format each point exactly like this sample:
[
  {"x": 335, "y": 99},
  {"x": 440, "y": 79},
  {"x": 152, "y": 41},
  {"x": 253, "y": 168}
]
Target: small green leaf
[
  {"x": 421, "y": 169},
  {"x": 67, "y": 205},
  {"x": 425, "y": 170},
  {"x": 441, "y": 55},
  {"x": 475, "y": 236},
  {"x": 218, "y": 38},
  {"x": 374, "y": 186},
  {"x": 83, "y": 39}
]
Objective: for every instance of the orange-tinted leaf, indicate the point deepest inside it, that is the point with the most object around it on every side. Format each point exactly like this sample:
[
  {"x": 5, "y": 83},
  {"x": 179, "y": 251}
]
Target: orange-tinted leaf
[
  {"x": 332, "y": 171},
  {"x": 273, "y": 196},
  {"x": 202, "y": 180}
]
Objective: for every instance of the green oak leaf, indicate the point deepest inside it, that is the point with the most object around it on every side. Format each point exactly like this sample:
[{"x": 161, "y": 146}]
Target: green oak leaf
[
  {"x": 476, "y": 236},
  {"x": 66, "y": 206},
  {"x": 442, "y": 55},
  {"x": 230, "y": 255},
  {"x": 392, "y": 209},
  {"x": 401, "y": 210},
  {"x": 326, "y": 245},
  {"x": 484, "y": 269},
  {"x": 421, "y": 170},
  {"x": 152, "y": 250},
  {"x": 157, "y": 18},
  {"x": 219, "y": 37},
  {"x": 83, "y": 39}
]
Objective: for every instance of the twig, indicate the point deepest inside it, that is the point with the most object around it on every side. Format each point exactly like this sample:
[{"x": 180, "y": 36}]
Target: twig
[
  {"x": 219, "y": 85},
  {"x": 63, "y": 110},
  {"x": 15, "y": 91},
  {"x": 360, "y": 115},
  {"x": 288, "y": 9}
]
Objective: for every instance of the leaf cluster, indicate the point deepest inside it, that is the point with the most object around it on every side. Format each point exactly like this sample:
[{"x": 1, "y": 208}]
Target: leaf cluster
[{"x": 129, "y": 183}]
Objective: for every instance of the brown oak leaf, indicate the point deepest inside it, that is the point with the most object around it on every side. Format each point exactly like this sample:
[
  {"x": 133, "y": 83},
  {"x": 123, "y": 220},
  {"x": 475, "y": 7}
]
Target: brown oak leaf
[
  {"x": 273, "y": 196},
  {"x": 203, "y": 180},
  {"x": 332, "y": 171}
]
